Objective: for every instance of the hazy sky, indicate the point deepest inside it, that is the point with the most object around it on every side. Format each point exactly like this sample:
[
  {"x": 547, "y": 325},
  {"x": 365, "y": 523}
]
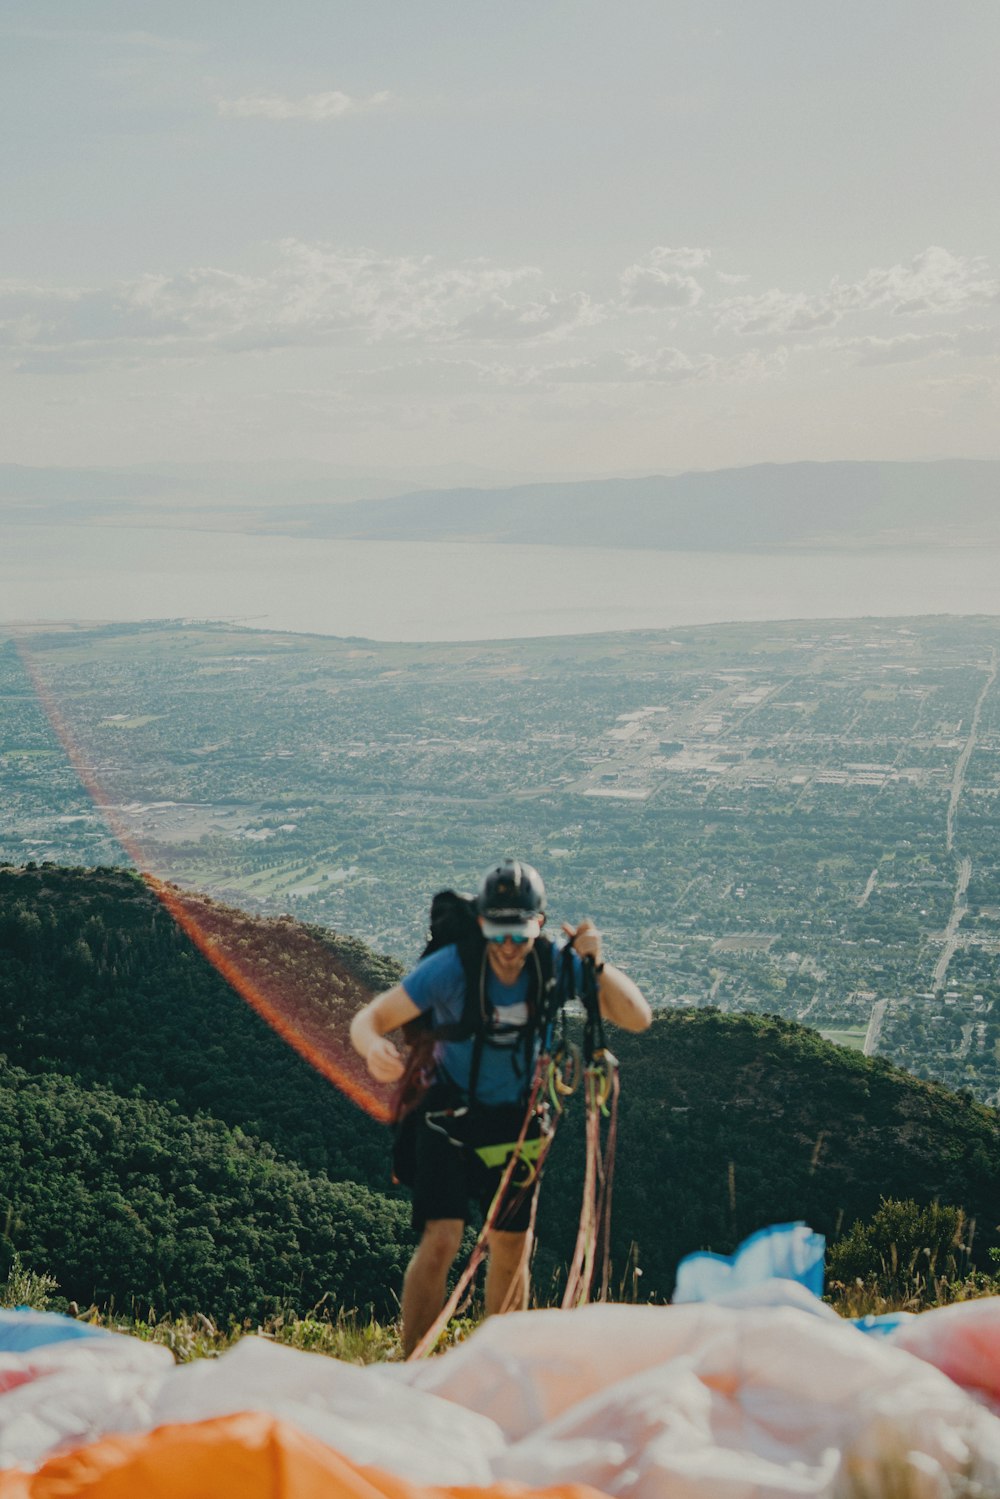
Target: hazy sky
[{"x": 538, "y": 237}]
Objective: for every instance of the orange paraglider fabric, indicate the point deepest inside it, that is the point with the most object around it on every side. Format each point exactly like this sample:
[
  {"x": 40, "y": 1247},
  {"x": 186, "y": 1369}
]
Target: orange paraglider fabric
[{"x": 247, "y": 1456}]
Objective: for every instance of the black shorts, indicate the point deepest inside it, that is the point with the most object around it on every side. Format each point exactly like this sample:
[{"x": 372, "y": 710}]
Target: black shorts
[{"x": 449, "y": 1175}]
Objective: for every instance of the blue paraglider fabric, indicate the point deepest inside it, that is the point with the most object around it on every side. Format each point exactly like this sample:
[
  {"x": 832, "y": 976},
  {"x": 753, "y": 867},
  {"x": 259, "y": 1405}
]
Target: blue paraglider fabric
[
  {"x": 22, "y": 1329},
  {"x": 784, "y": 1251}
]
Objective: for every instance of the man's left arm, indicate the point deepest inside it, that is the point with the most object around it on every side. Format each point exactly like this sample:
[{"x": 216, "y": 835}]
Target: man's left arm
[{"x": 621, "y": 1001}]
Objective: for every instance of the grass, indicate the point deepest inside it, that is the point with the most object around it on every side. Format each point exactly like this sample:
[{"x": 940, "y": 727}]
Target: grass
[
  {"x": 851, "y": 1036},
  {"x": 343, "y": 1336},
  {"x": 346, "y": 1336},
  {"x": 269, "y": 882},
  {"x": 340, "y": 1333},
  {"x": 139, "y": 722},
  {"x": 874, "y": 1270},
  {"x": 868, "y": 1298}
]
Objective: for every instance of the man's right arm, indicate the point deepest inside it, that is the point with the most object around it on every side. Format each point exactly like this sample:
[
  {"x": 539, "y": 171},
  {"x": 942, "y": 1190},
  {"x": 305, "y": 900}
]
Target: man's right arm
[{"x": 369, "y": 1030}]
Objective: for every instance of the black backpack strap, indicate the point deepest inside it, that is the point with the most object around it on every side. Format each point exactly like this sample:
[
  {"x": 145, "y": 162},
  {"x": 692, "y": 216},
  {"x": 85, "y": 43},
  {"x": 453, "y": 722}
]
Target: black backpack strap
[
  {"x": 476, "y": 1010},
  {"x": 547, "y": 1001},
  {"x": 542, "y": 1005}
]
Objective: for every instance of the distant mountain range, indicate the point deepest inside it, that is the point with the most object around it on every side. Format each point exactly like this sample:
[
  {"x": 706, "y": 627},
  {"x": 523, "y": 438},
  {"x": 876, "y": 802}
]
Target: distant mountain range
[
  {"x": 49, "y": 495},
  {"x": 804, "y": 505},
  {"x": 769, "y": 505}
]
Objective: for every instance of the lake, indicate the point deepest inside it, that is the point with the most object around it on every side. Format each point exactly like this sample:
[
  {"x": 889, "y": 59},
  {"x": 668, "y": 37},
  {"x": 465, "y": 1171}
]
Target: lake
[{"x": 463, "y": 591}]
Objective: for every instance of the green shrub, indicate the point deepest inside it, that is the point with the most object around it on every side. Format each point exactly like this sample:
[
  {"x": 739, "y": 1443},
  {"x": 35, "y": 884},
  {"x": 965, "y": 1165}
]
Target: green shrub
[
  {"x": 907, "y": 1255},
  {"x": 26, "y": 1287}
]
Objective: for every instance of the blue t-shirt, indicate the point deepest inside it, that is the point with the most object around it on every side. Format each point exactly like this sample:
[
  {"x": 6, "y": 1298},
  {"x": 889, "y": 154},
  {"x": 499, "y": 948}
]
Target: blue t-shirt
[{"x": 437, "y": 986}]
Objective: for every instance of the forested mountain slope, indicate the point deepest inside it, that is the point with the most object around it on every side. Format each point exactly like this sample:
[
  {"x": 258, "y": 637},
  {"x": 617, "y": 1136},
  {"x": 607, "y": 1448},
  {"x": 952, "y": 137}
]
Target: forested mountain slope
[
  {"x": 731, "y": 1122},
  {"x": 97, "y": 980},
  {"x": 167, "y": 1144},
  {"x": 130, "y": 1201}
]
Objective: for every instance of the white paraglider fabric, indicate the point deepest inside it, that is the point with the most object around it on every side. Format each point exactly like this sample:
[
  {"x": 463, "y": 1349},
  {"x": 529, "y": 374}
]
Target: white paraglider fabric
[{"x": 700, "y": 1401}]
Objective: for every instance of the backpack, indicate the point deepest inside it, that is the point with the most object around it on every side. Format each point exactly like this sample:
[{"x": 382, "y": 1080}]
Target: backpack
[{"x": 454, "y": 921}]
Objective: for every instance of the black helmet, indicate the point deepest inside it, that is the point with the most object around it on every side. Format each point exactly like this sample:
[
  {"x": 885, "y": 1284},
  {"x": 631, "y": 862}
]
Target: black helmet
[{"x": 512, "y": 895}]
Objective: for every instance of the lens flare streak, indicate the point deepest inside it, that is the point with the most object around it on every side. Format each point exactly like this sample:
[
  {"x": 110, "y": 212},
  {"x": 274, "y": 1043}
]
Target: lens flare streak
[{"x": 286, "y": 971}]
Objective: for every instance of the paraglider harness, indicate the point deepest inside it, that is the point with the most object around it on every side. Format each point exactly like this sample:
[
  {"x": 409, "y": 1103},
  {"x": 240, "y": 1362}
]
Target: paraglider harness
[
  {"x": 555, "y": 1067},
  {"x": 423, "y": 1098}
]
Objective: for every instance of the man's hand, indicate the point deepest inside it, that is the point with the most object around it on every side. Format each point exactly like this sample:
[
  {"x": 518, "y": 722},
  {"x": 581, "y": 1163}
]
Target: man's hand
[
  {"x": 621, "y": 1000},
  {"x": 585, "y": 939},
  {"x": 384, "y": 1061},
  {"x": 385, "y": 1013}
]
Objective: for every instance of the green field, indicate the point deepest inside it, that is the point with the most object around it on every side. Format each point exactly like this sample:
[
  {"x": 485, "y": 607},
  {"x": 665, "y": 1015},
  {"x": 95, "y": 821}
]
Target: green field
[{"x": 851, "y": 1036}]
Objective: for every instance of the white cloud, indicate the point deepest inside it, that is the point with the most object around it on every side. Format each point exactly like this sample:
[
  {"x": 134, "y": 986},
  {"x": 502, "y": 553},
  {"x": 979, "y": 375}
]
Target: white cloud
[
  {"x": 665, "y": 365},
  {"x": 630, "y": 367},
  {"x": 493, "y": 372},
  {"x": 498, "y": 320},
  {"x": 681, "y": 258},
  {"x": 973, "y": 341},
  {"x": 778, "y": 312},
  {"x": 901, "y": 350},
  {"x": 935, "y": 283},
  {"x": 647, "y": 288},
  {"x": 332, "y": 105},
  {"x": 422, "y": 313},
  {"x": 671, "y": 366},
  {"x": 657, "y": 283},
  {"x": 612, "y": 367},
  {"x": 313, "y": 294}
]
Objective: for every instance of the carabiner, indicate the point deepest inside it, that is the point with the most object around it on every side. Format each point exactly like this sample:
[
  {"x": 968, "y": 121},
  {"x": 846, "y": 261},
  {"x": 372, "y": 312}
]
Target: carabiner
[
  {"x": 564, "y": 1073},
  {"x": 601, "y": 1075}
]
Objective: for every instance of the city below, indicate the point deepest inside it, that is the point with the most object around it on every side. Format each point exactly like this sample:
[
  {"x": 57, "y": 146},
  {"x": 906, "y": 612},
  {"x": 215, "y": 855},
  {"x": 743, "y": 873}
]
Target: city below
[{"x": 794, "y": 818}]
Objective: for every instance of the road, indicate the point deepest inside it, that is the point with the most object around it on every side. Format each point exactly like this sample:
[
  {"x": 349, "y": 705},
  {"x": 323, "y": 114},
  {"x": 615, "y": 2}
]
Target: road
[
  {"x": 965, "y": 865},
  {"x": 958, "y": 779},
  {"x": 954, "y": 920},
  {"x": 874, "y": 1027}
]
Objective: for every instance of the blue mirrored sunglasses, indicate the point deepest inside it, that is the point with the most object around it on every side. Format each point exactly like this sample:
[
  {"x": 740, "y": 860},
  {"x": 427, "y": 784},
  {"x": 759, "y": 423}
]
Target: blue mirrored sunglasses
[{"x": 517, "y": 937}]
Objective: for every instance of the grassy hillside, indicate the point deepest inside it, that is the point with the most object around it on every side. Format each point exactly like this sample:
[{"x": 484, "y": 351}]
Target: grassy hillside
[{"x": 158, "y": 1139}]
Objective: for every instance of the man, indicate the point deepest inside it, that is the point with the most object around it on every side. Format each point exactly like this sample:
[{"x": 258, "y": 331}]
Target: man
[{"x": 487, "y": 1076}]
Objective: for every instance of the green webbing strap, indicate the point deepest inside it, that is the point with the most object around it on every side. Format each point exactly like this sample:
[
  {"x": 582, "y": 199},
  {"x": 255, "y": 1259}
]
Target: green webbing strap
[{"x": 499, "y": 1155}]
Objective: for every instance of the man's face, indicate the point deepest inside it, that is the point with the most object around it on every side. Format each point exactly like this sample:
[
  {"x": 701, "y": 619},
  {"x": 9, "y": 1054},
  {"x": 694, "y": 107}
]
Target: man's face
[{"x": 508, "y": 957}]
